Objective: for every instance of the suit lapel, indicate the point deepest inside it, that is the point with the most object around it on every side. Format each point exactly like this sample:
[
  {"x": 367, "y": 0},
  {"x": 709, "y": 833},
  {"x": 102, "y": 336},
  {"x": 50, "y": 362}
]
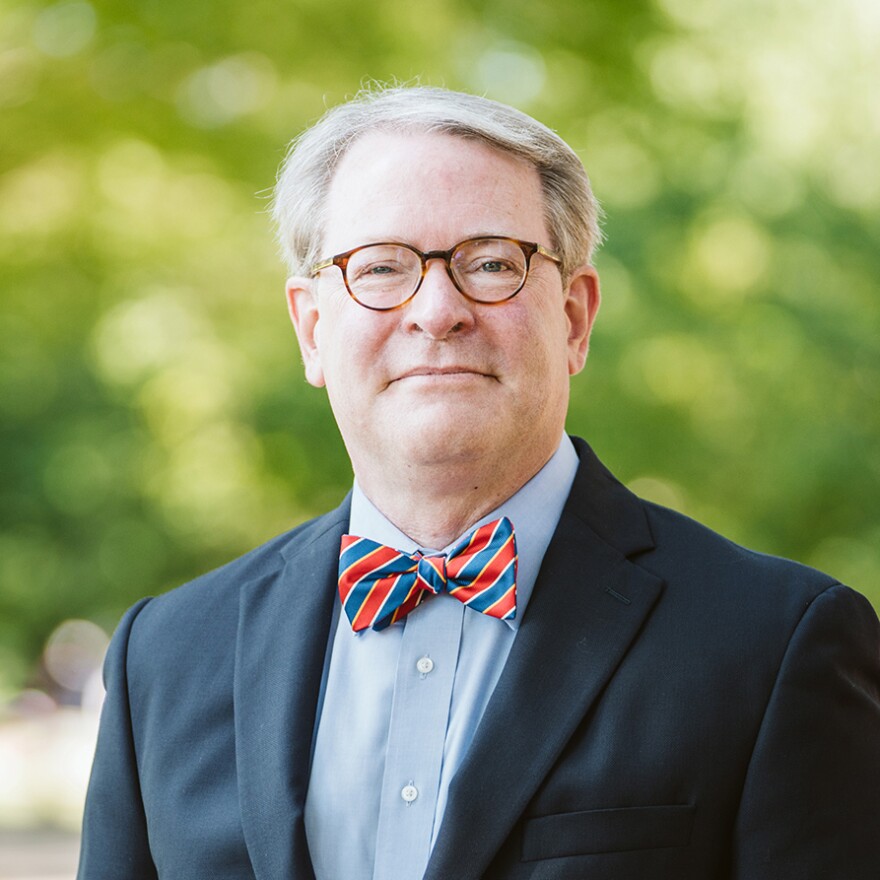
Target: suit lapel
[
  {"x": 587, "y": 608},
  {"x": 282, "y": 639}
]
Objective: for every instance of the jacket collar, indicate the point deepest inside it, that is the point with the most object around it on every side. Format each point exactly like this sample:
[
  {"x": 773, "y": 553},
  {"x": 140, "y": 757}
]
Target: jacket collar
[
  {"x": 284, "y": 622},
  {"x": 589, "y": 604}
]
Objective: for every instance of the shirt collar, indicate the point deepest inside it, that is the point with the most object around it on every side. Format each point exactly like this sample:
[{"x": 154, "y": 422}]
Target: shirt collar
[{"x": 534, "y": 511}]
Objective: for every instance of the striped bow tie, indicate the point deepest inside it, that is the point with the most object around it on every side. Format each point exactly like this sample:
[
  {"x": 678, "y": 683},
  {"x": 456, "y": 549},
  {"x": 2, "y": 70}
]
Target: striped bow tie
[{"x": 379, "y": 585}]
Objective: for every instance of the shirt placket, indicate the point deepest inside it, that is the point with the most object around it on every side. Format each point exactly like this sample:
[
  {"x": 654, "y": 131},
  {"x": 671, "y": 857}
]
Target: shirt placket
[{"x": 416, "y": 738}]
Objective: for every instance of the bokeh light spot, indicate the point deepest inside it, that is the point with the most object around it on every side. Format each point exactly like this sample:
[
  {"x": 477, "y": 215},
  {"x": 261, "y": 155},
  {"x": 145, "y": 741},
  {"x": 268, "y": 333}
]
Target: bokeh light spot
[
  {"x": 622, "y": 170},
  {"x": 730, "y": 253},
  {"x": 130, "y": 174},
  {"x": 618, "y": 297},
  {"x": 190, "y": 393},
  {"x": 73, "y": 652},
  {"x": 65, "y": 29},
  {"x": 660, "y": 491},
  {"x": 684, "y": 74},
  {"x": 40, "y": 199},
  {"x": 220, "y": 93},
  {"x": 137, "y": 337},
  {"x": 18, "y": 76},
  {"x": 674, "y": 369},
  {"x": 511, "y": 72},
  {"x": 766, "y": 185},
  {"x": 853, "y": 176}
]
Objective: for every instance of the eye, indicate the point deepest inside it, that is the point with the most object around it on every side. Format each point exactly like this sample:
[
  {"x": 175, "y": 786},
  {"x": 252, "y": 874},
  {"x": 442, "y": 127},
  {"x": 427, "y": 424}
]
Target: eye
[
  {"x": 493, "y": 266},
  {"x": 489, "y": 260},
  {"x": 377, "y": 269},
  {"x": 488, "y": 265}
]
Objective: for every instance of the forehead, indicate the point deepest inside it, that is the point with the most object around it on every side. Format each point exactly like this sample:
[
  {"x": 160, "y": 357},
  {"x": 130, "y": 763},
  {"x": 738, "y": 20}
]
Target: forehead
[{"x": 431, "y": 190}]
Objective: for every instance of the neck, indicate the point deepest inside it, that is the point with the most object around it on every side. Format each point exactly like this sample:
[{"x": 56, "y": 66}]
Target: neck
[{"x": 435, "y": 503}]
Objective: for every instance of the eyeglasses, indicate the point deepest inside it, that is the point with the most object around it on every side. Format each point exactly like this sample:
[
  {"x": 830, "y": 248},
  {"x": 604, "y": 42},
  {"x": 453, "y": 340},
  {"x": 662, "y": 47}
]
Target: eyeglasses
[{"x": 387, "y": 275}]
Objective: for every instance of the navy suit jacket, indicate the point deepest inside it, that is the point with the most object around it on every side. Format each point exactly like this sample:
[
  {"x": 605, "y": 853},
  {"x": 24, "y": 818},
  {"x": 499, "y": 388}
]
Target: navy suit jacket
[{"x": 674, "y": 706}]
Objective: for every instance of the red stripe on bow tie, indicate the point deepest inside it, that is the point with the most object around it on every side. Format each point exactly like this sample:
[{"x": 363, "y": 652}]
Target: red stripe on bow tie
[{"x": 379, "y": 585}]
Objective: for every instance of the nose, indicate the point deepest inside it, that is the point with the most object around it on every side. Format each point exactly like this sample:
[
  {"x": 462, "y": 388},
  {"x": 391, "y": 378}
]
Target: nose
[{"x": 439, "y": 309}]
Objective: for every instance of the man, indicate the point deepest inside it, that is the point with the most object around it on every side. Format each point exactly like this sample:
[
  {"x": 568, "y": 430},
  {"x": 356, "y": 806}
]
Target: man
[{"x": 638, "y": 699}]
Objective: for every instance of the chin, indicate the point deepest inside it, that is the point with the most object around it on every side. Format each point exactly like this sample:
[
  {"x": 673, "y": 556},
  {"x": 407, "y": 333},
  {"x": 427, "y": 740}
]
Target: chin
[{"x": 442, "y": 440}]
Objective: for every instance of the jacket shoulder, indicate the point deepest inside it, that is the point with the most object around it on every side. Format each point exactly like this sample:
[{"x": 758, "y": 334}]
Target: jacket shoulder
[
  {"x": 694, "y": 559},
  {"x": 215, "y": 594}
]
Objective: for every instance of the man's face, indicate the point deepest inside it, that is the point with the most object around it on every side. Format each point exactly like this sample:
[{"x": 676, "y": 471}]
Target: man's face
[{"x": 441, "y": 380}]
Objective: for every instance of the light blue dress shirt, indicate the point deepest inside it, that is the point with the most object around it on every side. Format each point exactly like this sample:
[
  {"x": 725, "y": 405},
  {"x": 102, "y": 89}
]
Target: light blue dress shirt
[{"x": 400, "y": 707}]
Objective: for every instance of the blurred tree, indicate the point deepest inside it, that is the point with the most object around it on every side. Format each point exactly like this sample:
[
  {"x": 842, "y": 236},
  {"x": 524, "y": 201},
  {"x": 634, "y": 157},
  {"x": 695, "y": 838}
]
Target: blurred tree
[{"x": 155, "y": 419}]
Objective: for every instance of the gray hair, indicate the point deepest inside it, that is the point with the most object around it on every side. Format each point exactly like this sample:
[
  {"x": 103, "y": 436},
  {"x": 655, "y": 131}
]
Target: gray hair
[{"x": 298, "y": 208}]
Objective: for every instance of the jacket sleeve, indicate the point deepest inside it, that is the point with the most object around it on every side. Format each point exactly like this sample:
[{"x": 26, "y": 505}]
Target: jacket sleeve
[
  {"x": 811, "y": 800},
  {"x": 114, "y": 836}
]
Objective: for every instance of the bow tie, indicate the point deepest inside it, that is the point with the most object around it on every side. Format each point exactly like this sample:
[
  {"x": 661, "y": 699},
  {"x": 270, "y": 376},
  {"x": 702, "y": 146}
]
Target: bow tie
[{"x": 379, "y": 585}]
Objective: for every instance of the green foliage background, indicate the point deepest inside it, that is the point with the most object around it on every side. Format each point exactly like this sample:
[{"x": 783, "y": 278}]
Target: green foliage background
[{"x": 155, "y": 421}]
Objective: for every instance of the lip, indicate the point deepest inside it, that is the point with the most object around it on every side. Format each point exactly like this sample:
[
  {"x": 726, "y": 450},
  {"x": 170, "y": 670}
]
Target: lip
[{"x": 450, "y": 372}]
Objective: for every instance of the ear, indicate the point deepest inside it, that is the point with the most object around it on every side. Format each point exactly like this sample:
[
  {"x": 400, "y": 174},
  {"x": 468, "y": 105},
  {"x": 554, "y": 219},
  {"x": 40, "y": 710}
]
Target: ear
[
  {"x": 582, "y": 300},
  {"x": 302, "y": 305}
]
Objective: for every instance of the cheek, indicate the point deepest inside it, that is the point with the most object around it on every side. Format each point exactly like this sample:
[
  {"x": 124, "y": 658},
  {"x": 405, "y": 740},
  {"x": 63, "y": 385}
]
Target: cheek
[
  {"x": 334, "y": 330},
  {"x": 351, "y": 349},
  {"x": 539, "y": 343}
]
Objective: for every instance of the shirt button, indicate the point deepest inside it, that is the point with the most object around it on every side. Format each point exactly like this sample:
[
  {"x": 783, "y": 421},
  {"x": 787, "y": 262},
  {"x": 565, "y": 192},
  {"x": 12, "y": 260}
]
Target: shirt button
[
  {"x": 409, "y": 793},
  {"x": 425, "y": 665}
]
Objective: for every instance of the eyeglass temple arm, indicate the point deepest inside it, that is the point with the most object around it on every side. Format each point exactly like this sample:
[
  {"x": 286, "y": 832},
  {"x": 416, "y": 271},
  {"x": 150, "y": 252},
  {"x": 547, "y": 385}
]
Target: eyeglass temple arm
[
  {"x": 548, "y": 254},
  {"x": 322, "y": 265}
]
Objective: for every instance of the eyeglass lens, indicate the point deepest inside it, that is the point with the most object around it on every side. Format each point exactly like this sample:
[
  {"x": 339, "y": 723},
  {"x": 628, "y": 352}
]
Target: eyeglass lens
[{"x": 385, "y": 275}]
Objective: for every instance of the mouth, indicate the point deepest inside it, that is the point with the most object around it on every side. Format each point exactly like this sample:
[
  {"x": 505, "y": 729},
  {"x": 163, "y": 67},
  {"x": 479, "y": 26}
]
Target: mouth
[{"x": 439, "y": 374}]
